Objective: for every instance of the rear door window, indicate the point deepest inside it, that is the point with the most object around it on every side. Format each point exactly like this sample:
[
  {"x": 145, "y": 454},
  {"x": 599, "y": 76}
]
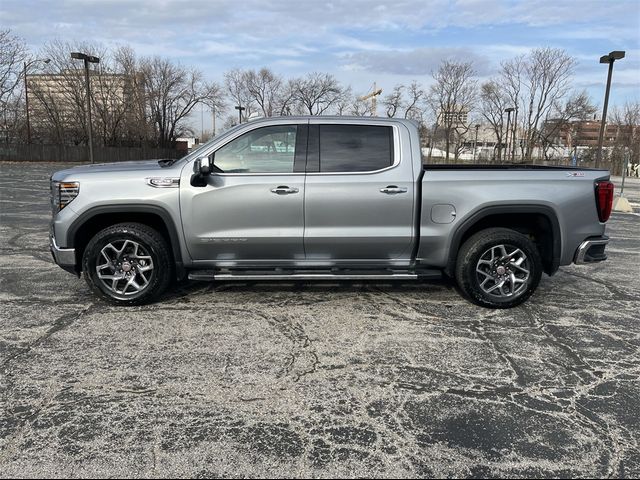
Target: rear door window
[{"x": 355, "y": 148}]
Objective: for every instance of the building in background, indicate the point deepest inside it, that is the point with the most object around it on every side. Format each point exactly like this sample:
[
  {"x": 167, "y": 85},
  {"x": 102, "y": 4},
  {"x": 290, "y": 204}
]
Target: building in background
[
  {"x": 186, "y": 144},
  {"x": 455, "y": 118},
  {"x": 57, "y": 104},
  {"x": 585, "y": 133}
]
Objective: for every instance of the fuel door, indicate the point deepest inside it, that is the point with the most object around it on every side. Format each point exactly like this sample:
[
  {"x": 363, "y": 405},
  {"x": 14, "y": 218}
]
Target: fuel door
[{"x": 443, "y": 213}]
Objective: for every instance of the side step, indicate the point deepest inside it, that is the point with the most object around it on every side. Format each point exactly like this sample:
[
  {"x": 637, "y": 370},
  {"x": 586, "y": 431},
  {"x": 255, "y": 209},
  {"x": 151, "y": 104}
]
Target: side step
[{"x": 359, "y": 275}]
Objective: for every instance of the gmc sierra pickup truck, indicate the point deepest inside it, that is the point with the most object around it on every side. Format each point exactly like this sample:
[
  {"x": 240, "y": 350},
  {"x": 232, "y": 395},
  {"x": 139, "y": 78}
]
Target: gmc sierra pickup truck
[{"x": 316, "y": 198}]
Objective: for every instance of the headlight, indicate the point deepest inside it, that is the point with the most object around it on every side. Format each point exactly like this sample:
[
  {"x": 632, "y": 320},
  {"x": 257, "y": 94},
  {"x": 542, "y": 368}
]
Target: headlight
[{"x": 62, "y": 193}]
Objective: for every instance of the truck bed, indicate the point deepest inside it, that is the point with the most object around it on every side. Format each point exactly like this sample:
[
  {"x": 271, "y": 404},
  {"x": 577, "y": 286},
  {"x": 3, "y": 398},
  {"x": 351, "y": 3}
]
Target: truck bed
[{"x": 455, "y": 195}]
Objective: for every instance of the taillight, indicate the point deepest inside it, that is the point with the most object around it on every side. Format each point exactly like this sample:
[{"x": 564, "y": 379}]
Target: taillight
[{"x": 604, "y": 199}]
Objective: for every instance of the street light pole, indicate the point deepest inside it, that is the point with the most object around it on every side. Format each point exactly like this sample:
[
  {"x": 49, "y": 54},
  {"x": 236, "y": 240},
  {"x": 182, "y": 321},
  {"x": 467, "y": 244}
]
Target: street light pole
[
  {"x": 87, "y": 59},
  {"x": 240, "y": 108},
  {"x": 26, "y": 94},
  {"x": 625, "y": 168},
  {"x": 475, "y": 144},
  {"x": 514, "y": 129},
  {"x": 612, "y": 57},
  {"x": 508, "y": 110}
]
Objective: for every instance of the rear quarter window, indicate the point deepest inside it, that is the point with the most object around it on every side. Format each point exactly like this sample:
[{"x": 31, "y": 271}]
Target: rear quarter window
[{"x": 355, "y": 148}]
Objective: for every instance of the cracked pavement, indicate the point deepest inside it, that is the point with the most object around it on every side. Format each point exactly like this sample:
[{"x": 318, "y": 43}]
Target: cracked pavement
[{"x": 313, "y": 379}]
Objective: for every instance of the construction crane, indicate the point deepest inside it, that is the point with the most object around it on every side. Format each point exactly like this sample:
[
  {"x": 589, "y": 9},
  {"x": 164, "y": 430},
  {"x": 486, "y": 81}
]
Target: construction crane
[{"x": 373, "y": 96}]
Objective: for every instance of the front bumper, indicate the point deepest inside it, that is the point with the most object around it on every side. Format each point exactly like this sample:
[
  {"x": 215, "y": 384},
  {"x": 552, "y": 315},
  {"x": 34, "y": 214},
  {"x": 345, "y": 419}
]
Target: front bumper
[
  {"x": 64, "y": 257},
  {"x": 591, "y": 250}
]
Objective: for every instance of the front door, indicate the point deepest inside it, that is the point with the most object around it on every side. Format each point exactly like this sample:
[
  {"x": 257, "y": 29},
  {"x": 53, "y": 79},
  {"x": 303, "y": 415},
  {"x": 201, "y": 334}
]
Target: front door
[{"x": 251, "y": 208}]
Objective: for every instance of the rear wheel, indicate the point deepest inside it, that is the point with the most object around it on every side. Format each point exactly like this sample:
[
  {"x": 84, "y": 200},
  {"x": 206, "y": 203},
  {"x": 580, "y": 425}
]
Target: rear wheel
[
  {"x": 498, "y": 268},
  {"x": 128, "y": 264}
]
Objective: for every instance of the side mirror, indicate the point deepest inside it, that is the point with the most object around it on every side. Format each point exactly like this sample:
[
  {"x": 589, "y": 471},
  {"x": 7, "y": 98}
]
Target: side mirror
[{"x": 204, "y": 166}]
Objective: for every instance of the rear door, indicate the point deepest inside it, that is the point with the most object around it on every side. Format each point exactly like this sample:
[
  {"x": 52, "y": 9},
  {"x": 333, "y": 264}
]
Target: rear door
[{"x": 359, "y": 194}]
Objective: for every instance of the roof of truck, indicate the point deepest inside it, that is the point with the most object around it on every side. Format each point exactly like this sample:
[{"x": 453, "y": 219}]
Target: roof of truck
[{"x": 333, "y": 118}]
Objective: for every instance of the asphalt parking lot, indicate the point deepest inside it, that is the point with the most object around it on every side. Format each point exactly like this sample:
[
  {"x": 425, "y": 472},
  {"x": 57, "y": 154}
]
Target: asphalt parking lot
[{"x": 313, "y": 379}]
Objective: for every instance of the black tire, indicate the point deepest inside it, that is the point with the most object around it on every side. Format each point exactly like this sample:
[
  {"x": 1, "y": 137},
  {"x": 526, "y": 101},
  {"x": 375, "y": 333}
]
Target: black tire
[
  {"x": 150, "y": 245},
  {"x": 480, "y": 247}
]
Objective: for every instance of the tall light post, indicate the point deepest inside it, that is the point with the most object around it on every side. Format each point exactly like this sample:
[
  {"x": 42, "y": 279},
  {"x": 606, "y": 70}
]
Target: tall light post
[
  {"x": 213, "y": 117},
  {"x": 514, "y": 131},
  {"x": 87, "y": 59},
  {"x": 508, "y": 110},
  {"x": 612, "y": 57},
  {"x": 475, "y": 144},
  {"x": 240, "y": 108},
  {"x": 26, "y": 93}
]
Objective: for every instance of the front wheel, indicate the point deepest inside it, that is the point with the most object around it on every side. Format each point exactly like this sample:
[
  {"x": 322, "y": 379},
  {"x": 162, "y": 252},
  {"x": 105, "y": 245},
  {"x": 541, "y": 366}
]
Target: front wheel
[
  {"x": 498, "y": 268},
  {"x": 128, "y": 264}
]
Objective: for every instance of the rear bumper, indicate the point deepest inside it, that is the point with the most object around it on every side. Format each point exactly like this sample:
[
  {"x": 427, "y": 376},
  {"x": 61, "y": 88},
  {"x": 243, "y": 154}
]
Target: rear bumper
[
  {"x": 64, "y": 257},
  {"x": 591, "y": 250}
]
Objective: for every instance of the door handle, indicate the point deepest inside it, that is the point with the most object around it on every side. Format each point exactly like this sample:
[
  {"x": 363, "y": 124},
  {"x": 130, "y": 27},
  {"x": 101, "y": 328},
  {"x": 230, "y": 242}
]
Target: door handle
[
  {"x": 284, "y": 190},
  {"x": 392, "y": 189}
]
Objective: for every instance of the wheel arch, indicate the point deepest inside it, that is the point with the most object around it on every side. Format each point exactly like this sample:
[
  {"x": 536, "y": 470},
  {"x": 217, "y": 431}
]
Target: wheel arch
[
  {"x": 97, "y": 218},
  {"x": 540, "y": 220}
]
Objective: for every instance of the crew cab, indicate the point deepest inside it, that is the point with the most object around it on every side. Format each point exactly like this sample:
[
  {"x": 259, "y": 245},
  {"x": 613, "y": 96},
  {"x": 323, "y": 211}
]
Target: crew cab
[{"x": 317, "y": 198}]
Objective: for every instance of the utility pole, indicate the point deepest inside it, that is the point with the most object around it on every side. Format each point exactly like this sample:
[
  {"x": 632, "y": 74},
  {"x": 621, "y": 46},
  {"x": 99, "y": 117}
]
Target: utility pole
[
  {"x": 612, "y": 57},
  {"x": 87, "y": 59},
  {"x": 213, "y": 117}
]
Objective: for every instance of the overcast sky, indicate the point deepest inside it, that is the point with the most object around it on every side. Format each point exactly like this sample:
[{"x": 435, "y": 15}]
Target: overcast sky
[{"x": 358, "y": 41}]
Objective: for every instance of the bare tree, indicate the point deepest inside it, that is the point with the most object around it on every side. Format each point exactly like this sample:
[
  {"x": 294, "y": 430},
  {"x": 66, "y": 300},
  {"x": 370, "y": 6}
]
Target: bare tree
[
  {"x": 493, "y": 101},
  {"x": 360, "y": 107},
  {"x": 59, "y": 97},
  {"x": 394, "y": 101},
  {"x": 405, "y": 102},
  {"x": 110, "y": 92},
  {"x": 235, "y": 82},
  {"x": 13, "y": 51},
  {"x": 535, "y": 83},
  {"x": 451, "y": 98},
  {"x": 138, "y": 126},
  {"x": 265, "y": 88},
  {"x": 318, "y": 92},
  {"x": 411, "y": 107},
  {"x": 172, "y": 93},
  {"x": 577, "y": 106},
  {"x": 511, "y": 79},
  {"x": 627, "y": 124},
  {"x": 117, "y": 99},
  {"x": 287, "y": 99},
  {"x": 344, "y": 106}
]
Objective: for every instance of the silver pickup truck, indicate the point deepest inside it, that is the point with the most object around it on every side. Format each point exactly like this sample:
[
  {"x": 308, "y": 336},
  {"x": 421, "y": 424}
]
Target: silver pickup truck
[{"x": 316, "y": 198}]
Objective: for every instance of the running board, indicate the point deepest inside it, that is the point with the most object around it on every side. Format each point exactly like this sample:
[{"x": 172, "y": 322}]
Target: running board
[{"x": 212, "y": 275}]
